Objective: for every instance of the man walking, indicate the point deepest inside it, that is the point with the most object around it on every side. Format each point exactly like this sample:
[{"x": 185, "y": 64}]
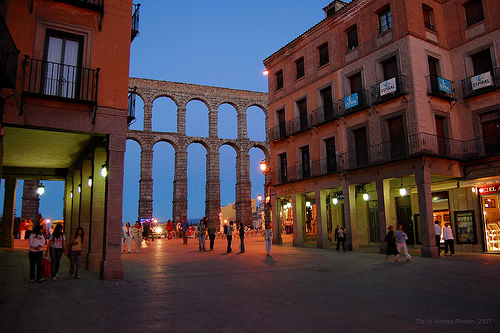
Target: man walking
[
  {"x": 340, "y": 237},
  {"x": 437, "y": 233},
  {"x": 449, "y": 240},
  {"x": 201, "y": 235},
  {"x": 230, "y": 230},
  {"x": 184, "y": 228},
  {"x": 401, "y": 238},
  {"x": 211, "y": 235}
]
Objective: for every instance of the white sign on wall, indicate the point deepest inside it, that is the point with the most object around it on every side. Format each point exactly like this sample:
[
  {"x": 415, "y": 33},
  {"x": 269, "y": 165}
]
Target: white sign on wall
[
  {"x": 388, "y": 86},
  {"x": 481, "y": 81}
]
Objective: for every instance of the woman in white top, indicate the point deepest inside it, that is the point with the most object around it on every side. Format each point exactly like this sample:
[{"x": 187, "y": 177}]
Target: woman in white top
[
  {"x": 37, "y": 242},
  {"x": 56, "y": 246},
  {"x": 268, "y": 237},
  {"x": 137, "y": 234},
  {"x": 127, "y": 236},
  {"x": 449, "y": 241}
]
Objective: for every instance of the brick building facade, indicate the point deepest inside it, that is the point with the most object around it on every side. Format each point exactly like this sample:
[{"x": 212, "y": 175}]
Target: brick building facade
[
  {"x": 387, "y": 112},
  {"x": 64, "y": 83}
]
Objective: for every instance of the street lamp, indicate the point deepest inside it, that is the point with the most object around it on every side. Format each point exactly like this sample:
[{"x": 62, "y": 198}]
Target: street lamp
[
  {"x": 104, "y": 171},
  {"x": 265, "y": 72},
  {"x": 89, "y": 181},
  {"x": 259, "y": 197},
  {"x": 263, "y": 166},
  {"x": 41, "y": 189},
  {"x": 366, "y": 196},
  {"x": 79, "y": 188}
]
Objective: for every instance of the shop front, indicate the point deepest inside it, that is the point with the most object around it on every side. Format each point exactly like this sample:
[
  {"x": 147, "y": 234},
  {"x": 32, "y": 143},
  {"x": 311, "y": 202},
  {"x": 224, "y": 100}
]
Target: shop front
[{"x": 491, "y": 216}]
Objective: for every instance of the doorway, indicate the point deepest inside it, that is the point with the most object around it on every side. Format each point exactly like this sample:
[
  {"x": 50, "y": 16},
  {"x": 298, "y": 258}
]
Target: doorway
[{"x": 403, "y": 210}]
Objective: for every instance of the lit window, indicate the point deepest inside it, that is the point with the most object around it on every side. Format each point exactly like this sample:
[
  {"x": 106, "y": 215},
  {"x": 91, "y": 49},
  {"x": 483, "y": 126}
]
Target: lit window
[{"x": 385, "y": 20}]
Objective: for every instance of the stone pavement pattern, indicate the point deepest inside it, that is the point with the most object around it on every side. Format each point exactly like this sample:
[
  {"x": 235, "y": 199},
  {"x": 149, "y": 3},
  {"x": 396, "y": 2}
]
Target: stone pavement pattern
[{"x": 169, "y": 287}]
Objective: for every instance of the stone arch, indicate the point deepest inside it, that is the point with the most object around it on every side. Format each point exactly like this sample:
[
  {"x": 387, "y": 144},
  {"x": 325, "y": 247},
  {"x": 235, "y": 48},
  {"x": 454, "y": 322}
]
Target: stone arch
[
  {"x": 262, "y": 147},
  {"x": 227, "y": 117},
  {"x": 195, "y": 115},
  {"x": 164, "y": 114},
  {"x": 131, "y": 177},
  {"x": 163, "y": 175},
  {"x": 165, "y": 138}
]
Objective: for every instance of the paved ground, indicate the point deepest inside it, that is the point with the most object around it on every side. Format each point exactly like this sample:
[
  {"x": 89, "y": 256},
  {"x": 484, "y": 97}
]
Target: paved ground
[{"x": 174, "y": 288}]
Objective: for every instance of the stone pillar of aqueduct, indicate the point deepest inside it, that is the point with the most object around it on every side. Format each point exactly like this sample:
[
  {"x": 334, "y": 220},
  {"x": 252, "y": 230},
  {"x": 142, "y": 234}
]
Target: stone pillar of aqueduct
[{"x": 213, "y": 97}]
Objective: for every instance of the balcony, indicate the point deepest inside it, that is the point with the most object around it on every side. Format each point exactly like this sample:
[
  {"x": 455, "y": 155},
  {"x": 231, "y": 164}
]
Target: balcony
[
  {"x": 297, "y": 172},
  {"x": 52, "y": 80},
  {"x": 8, "y": 57},
  {"x": 278, "y": 132},
  {"x": 482, "y": 83},
  {"x": 440, "y": 87},
  {"x": 354, "y": 103},
  {"x": 97, "y": 5},
  {"x": 325, "y": 114},
  {"x": 300, "y": 124},
  {"x": 389, "y": 89},
  {"x": 131, "y": 106},
  {"x": 135, "y": 22}
]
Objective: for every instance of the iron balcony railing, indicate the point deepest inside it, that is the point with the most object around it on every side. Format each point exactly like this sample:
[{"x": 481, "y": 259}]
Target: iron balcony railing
[
  {"x": 9, "y": 55},
  {"x": 135, "y": 21},
  {"x": 97, "y": 5},
  {"x": 325, "y": 114},
  {"x": 315, "y": 168},
  {"x": 440, "y": 87},
  {"x": 278, "y": 132},
  {"x": 355, "y": 102},
  {"x": 54, "y": 80},
  {"x": 300, "y": 123},
  {"x": 482, "y": 83},
  {"x": 389, "y": 89}
]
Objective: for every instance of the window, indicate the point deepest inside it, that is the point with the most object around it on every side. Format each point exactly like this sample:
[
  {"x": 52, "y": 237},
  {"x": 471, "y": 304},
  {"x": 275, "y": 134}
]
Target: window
[
  {"x": 306, "y": 171},
  {"x": 433, "y": 73},
  {"x": 428, "y": 17},
  {"x": 283, "y": 168},
  {"x": 491, "y": 135},
  {"x": 352, "y": 38},
  {"x": 281, "y": 123},
  {"x": 355, "y": 83},
  {"x": 279, "y": 80},
  {"x": 397, "y": 137},
  {"x": 390, "y": 68},
  {"x": 384, "y": 20},
  {"x": 302, "y": 106},
  {"x": 327, "y": 99},
  {"x": 481, "y": 62},
  {"x": 440, "y": 134},
  {"x": 474, "y": 12},
  {"x": 323, "y": 54},
  {"x": 299, "y": 68},
  {"x": 331, "y": 158},
  {"x": 361, "y": 146},
  {"x": 62, "y": 65}
]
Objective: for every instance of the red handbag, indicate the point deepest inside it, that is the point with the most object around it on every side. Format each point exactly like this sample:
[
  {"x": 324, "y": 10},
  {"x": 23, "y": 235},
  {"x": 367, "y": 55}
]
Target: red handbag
[{"x": 46, "y": 267}]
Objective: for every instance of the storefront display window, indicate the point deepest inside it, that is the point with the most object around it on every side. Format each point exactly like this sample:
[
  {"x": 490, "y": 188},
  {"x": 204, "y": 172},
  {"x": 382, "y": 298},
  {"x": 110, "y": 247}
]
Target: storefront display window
[
  {"x": 491, "y": 218},
  {"x": 465, "y": 228}
]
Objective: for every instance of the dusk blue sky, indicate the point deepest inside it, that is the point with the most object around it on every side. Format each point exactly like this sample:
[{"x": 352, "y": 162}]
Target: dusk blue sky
[{"x": 220, "y": 43}]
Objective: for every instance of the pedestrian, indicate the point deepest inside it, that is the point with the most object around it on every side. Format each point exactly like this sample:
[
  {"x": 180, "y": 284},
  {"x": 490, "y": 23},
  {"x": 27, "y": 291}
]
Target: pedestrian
[
  {"x": 308, "y": 224},
  {"x": 178, "y": 229},
  {"x": 56, "y": 247},
  {"x": 37, "y": 242},
  {"x": 77, "y": 247},
  {"x": 229, "y": 235},
  {"x": 22, "y": 229},
  {"x": 145, "y": 231},
  {"x": 242, "y": 238},
  {"x": 391, "y": 245},
  {"x": 184, "y": 228},
  {"x": 340, "y": 237},
  {"x": 211, "y": 235},
  {"x": 170, "y": 228},
  {"x": 127, "y": 232},
  {"x": 201, "y": 235},
  {"x": 137, "y": 234},
  {"x": 401, "y": 239},
  {"x": 268, "y": 237},
  {"x": 437, "y": 233},
  {"x": 29, "y": 228},
  {"x": 449, "y": 241}
]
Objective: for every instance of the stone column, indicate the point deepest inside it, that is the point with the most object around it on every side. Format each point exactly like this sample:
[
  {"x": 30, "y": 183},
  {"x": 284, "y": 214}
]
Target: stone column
[
  {"x": 96, "y": 228},
  {"x": 321, "y": 219},
  {"x": 9, "y": 205},
  {"x": 85, "y": 204},
  {"x": 212, "y": 123},
  {"x": 146, "y": 184},
  {"x": 243, "y": 189},
  {"x": 75, "y": 213},
  {"x": 31, "y": 200},
  {"x": 212, "y": 194},
  {"x": 242, "y": 123},
  {"x": 180, "y": 185},
  {"x": 275, "y": 206},
  {"x": 148, "y": 114},
  {"x": 111, "y": 266},
  {"x": 298, "y": 219},
  {"x": 68, "y": 206},
  {"x": 181, "y": 120},
  {"x": 383, "y": 202},
  {"x": 423, "y": 180},
  {"x": 351, "y": 225}
]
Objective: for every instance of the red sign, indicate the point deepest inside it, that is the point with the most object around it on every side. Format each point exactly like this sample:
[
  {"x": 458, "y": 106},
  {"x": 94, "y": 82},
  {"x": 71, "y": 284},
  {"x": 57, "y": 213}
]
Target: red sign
[{"x": 489, "y": 189}]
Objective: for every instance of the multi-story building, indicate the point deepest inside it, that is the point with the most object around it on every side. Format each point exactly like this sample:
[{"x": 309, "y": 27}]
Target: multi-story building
[
  {"x": 64, "y": 85},
  {"x": 387, "y": 112}
]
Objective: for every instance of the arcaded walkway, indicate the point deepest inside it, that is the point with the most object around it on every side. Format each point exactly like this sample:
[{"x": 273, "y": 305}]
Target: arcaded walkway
[{"x": 174, "y": 288}]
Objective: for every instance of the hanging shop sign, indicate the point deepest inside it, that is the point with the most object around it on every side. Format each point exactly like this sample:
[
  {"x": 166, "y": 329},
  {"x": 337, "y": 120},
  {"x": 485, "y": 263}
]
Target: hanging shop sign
[
  {"x": 351, "y": 101},
  {"x": 388, "y": 86},
  {"x": 465, "y": 227},
  {"x": 489, "y": 189},
  {"x": 444, "y": 85},
  {"x": 481, "y": 81}
]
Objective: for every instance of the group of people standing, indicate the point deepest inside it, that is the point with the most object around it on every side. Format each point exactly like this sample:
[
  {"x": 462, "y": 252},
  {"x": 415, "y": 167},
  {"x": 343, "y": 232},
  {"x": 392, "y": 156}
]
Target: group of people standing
[
  {"x": 55, "y": 247},
  {"x": 135, "y": 233}
]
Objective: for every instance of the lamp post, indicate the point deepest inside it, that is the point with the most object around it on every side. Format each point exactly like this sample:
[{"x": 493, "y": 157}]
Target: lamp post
[{"x": 267, "y": 190}]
